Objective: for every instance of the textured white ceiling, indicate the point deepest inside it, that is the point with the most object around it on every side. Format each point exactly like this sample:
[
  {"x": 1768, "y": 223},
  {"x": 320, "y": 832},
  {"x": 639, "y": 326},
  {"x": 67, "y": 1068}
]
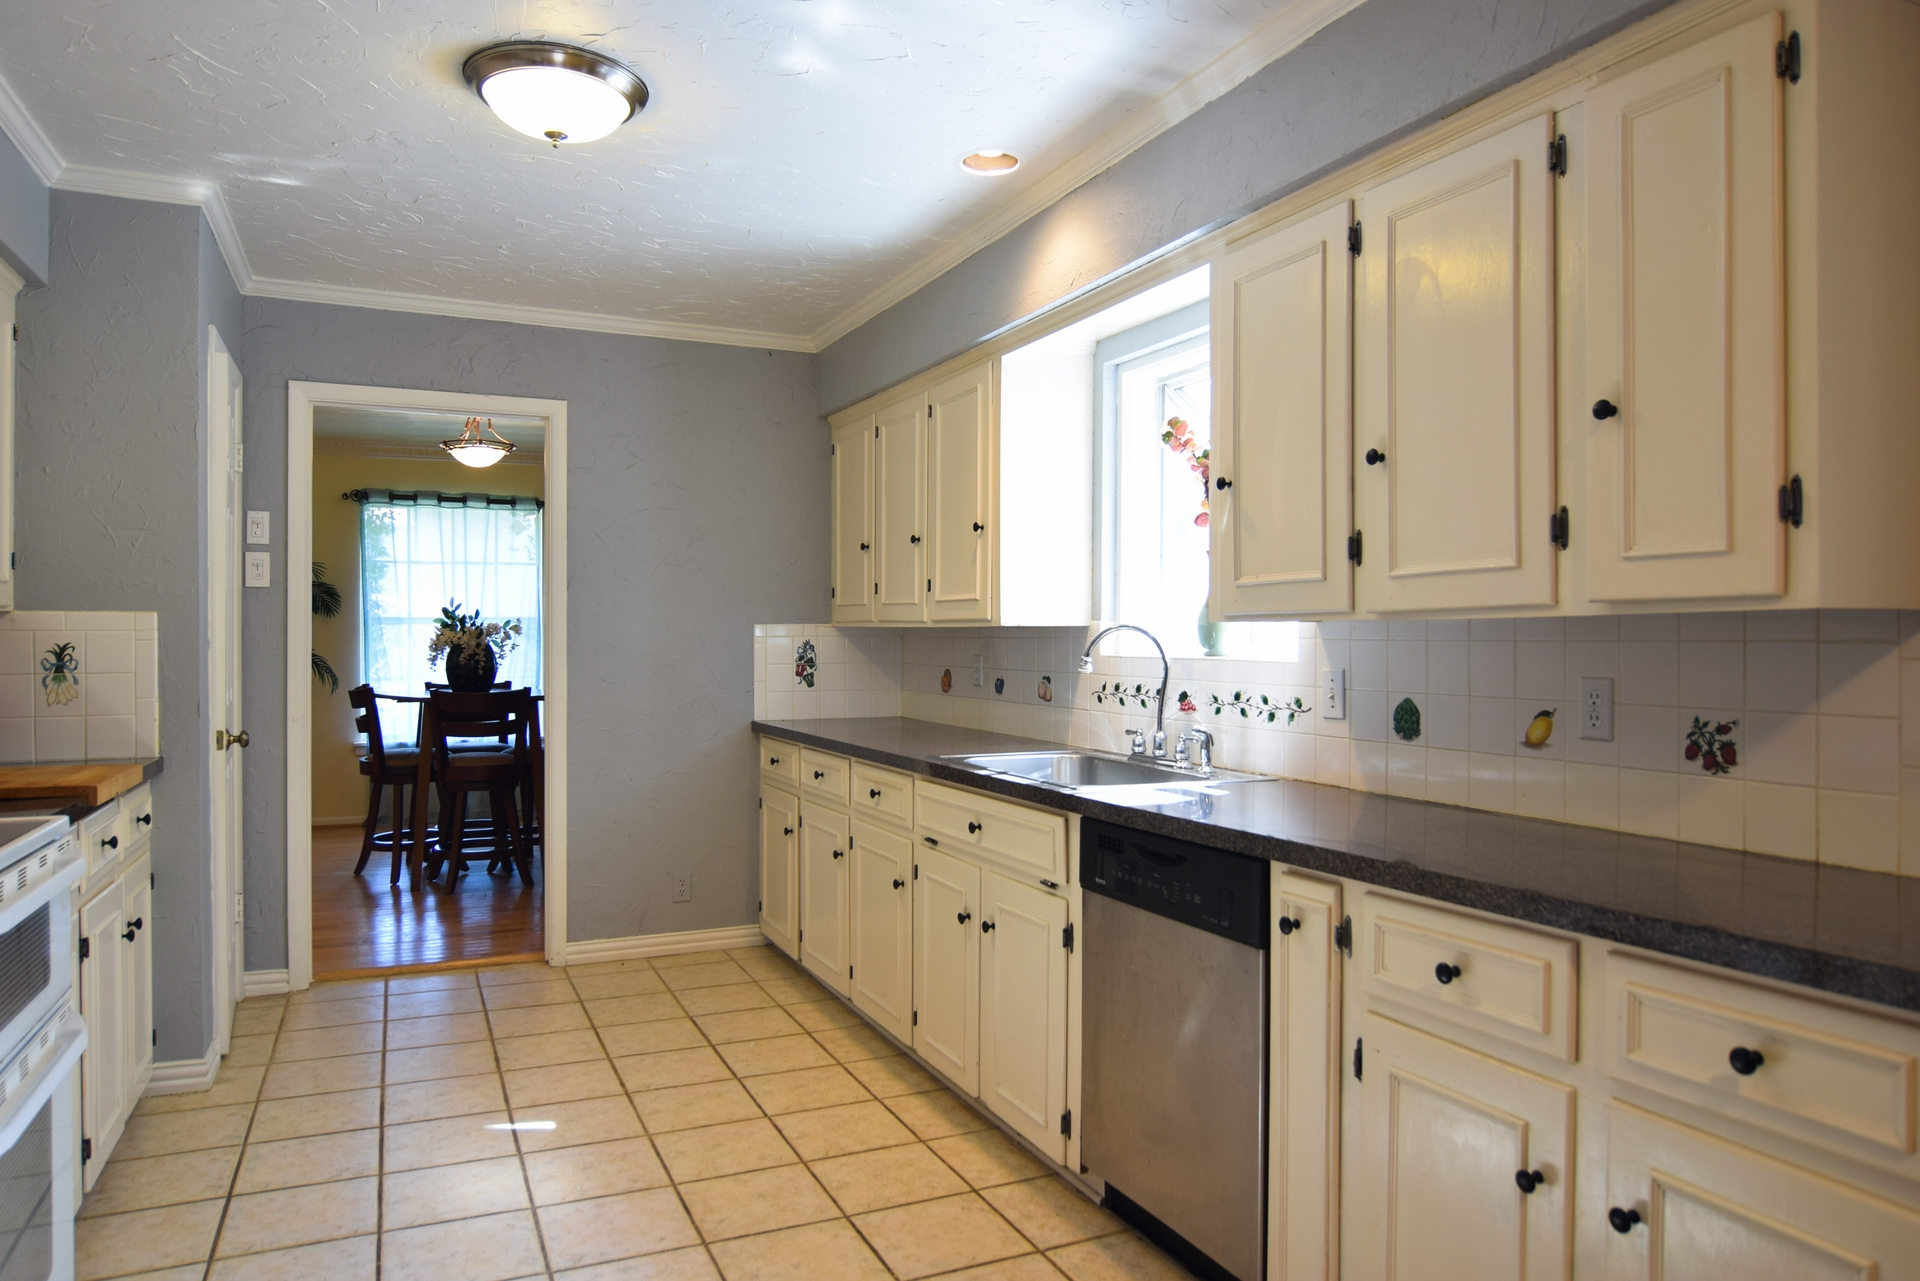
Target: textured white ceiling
[{"x": 796, "y": 156}]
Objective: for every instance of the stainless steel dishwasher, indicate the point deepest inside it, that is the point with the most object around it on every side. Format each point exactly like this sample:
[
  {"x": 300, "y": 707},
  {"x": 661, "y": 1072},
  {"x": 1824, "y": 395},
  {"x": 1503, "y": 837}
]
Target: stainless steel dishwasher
[{"x": 1173, "y": 1083}]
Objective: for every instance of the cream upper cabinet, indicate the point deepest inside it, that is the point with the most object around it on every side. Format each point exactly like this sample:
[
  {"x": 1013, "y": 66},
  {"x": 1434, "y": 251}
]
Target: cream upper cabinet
[
  {"x": 946, "y": 966},
  {"x": 1303, "y": 1092},
  {"x": 900, "y": 510},
  {"x": 780, "y": 868},
  {"x": 959, "y": 447},
  {"x": 882, "y": 927},
  {"x": 823, "y": 895},
  {"x": 1453, "y": 379},
  {"x": 1023, "y": 1010},
  {"x": 1682, "y": 1203},
  {"x": 852, "y": 485},
  {"x": 1451, "y": 1141},
  {"x": 1283, "y": 409},
  {"x": 1686, "y": 324}
]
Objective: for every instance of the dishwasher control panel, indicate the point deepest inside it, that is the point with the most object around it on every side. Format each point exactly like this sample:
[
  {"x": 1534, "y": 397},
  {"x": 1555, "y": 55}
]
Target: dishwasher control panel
[{"x": 1213, "y": 890}]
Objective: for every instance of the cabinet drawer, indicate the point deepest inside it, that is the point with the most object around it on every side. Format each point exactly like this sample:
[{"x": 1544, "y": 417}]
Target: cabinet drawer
[
  {"x": 104, "y": 837},
  {"x": 137, "y": 805},
  {"x": 780, "y": 762},
  {"x": 1508, "y": 982},
  {"x": 824, "y": 775},
  {"x": 884, "y": 794},
  {"x": 1820, "y": 1071},
  {"x": 968, "y": 823}
]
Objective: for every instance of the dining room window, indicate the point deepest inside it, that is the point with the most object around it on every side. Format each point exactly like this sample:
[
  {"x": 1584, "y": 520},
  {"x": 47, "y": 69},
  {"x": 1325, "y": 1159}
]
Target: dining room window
[{"x": 420, "y": 552}]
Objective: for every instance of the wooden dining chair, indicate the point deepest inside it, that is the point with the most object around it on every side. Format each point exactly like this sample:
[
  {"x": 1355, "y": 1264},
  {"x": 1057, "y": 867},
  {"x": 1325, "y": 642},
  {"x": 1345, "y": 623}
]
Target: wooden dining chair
[
  {"x": 501, "y": 715},
  {"x": 383, "y": 770}
]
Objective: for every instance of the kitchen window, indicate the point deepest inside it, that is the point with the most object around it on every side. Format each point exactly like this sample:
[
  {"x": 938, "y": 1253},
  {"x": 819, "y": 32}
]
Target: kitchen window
[{"x": 420, "y": 552}]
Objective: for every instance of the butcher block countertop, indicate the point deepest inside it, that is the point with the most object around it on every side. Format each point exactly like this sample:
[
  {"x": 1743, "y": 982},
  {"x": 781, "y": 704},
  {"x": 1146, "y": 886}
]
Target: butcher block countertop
[{"x": 90, "y": 783}]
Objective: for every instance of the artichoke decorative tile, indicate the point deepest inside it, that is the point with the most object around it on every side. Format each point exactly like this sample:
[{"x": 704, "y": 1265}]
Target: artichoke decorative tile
[
  {"x": 805, "y": 662},
  {"x": 1406, "y": 720},
  {"x": 60, "y": 674},
  {"x": 946, "y": 680},
  {"x": 1046, "y": 689}
]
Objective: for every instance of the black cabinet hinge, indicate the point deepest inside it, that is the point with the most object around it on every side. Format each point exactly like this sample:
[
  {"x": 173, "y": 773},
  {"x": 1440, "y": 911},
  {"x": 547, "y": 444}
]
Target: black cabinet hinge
[
  {"x": 156, "y": 1036},
  {"x": 1358, "y": 1061},
  {"x": 1066, "y": 1123},
  {"x": 929, "y": 584},
  {"x": 1353, "y": 547},
  {"x": 1343, "y": 935},
  {"x": 833, "y": 593},
  {"x": 916, "y": 871},
  {"x": 149, "y": 880},
  {"x": 1559, "y": 527},
  {"x": 1557, "y": 156},
  {"x": 16, "y": 333},
  {"x": 1353, "y": 240},
  {"x": 760, "y": 905},
  {"x": 1786, "y": 59},
  {"x": 1066, "y": 937},
  {"x": 849, "y": 974},
  {"x": 86, "y": 948},
  {"x": 1793, "y": 502},
  {"x": 86, "y": 1151},
  {"x": 916, "y": 1018}
]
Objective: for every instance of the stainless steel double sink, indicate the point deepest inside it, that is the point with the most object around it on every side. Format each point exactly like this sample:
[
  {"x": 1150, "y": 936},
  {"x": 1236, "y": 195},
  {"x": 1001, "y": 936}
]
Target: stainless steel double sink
[{"x": 1073, "y": 771}]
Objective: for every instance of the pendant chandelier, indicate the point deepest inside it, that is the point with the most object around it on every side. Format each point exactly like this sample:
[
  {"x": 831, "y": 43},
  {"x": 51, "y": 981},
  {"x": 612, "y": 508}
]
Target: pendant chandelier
[{"x": 475, "y": 450}]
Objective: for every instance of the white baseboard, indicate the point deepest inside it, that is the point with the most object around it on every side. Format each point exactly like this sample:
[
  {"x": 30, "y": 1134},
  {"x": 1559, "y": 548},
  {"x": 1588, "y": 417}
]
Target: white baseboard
[
  {"x": 263, "y": 983},
  {"x": 185, "y": 1076},
  {"x": 640, "y": 945}
]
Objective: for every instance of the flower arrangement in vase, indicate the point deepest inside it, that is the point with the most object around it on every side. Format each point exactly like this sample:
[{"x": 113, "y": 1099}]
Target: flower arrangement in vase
[{"x": 473, "y": 649}]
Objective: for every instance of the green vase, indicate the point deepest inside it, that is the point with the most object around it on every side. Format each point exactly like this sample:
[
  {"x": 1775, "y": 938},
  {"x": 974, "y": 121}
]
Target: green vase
[{"x": 1213, "y": 636}]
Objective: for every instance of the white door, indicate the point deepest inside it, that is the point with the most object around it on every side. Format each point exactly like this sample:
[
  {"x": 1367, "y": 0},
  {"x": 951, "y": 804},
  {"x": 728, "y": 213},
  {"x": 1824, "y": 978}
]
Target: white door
[
  {"x": 823, "y": 895},
  {"x": 946, "y": 966},
  {"x": 1686, "y": 324},
  {"x": 1283, "y": 439},
  {"x": 137, "y": 909},
  {"x": 779, "y": 870},
  {"x": 882, "y": 960},
  {"x": 1696, "y": 1206},
  {"x": 1023, "y": 1010},
  {"x": 1448, "y": 1133},
  {"x": 1303, "y": 1138},
  {"x": 1453, "y": 379},
  {"x": 852, "y": 472},
  {"x": 226, "y": 766},
  {"x": 900, "y": 511},
  {"x": 959, "y": 438},
  {"x": 106, "y": 1065}
]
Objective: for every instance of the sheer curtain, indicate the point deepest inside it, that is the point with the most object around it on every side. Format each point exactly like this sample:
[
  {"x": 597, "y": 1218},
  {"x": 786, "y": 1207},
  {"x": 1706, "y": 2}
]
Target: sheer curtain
[{"x": 416, "y": 559}]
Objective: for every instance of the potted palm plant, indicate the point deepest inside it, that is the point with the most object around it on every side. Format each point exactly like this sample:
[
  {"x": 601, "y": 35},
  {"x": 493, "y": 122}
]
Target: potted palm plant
[{"x": 473, "y": 649}]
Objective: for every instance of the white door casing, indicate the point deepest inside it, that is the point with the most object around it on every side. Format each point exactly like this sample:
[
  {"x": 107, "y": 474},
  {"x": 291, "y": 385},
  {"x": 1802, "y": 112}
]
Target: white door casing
[{"x": 226, "y": 762}]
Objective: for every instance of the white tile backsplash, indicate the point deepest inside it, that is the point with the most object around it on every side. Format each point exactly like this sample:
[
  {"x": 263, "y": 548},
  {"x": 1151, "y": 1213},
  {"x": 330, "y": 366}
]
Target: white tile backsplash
[{"x": 115, "y": 713}]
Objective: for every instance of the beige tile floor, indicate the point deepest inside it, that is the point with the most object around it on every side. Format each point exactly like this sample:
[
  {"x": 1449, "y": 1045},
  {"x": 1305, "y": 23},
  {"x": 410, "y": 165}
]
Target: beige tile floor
[{"x": 703, "y": 1116}]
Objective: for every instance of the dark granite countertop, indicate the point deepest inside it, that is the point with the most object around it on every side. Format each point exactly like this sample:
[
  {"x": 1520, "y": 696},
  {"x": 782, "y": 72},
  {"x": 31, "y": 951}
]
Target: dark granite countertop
[
  {"x": 1853, "y": 933},
  {"x": 77, "y": 810}
]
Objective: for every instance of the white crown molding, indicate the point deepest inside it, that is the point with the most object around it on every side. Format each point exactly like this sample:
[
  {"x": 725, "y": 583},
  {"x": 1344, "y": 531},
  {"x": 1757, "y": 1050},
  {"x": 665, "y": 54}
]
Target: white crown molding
[
  {"x": 27, "y": 136},
  {"x": 1280, "y": 35}
]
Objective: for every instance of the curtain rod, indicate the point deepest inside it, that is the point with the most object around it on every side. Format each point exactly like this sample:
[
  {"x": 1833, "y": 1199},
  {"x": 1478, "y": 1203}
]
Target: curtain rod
[{"x": 434, "y": 498}]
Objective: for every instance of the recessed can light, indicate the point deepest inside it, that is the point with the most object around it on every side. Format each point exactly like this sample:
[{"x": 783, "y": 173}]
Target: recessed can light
[{"x": 989, "y": 164}]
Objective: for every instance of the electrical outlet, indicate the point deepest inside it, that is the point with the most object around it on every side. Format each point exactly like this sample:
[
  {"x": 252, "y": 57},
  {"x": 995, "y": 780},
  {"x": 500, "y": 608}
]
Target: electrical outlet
[
  {"x": 683, "y": 887},
  {"x": 979, "y": 669},
  {"x": 259, "y": 569},
  {"x": 259, "y": 528},
  {"x": 1333, "y": 694},
  {"x": 1596, "y": 708}
]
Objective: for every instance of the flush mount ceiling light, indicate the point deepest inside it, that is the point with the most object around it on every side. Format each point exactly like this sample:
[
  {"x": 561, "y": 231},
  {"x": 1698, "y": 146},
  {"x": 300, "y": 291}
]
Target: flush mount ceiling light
[
  {"x": 989, "y": 164},
  {"x": 555, "y": 91},
  {"x": 476, "y": 451}
]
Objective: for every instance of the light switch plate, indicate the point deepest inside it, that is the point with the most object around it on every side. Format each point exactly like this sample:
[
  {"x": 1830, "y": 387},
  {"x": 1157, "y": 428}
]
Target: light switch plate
[
  {"x": 1333, "y": 693},
  {"x": 259, "y": 528},
  {"x": 259, "y": 569},
  {"x": 1596, "y": 708}
]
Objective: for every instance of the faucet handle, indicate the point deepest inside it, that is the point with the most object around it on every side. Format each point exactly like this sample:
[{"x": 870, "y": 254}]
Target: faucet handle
[{"x": 1139, "y": 737}]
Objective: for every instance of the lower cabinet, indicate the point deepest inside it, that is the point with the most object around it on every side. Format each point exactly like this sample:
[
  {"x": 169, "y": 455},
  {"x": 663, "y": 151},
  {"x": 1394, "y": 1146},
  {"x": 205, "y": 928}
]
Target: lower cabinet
[
  {"x": 1303, "y": 1095},
  {"x": 780, "y": 869},
  {"x": 882, "y": 919},
  {"x": 946, "y": 967},
  {"x": 116, "y": 1000},
  {"x": 1023, "y": 1010},
  {"x": 823, "y": 896}
]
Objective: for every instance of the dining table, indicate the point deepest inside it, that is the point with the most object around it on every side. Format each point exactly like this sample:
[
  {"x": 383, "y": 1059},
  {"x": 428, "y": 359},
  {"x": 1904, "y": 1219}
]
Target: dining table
[{"x": 417, "y": 851}]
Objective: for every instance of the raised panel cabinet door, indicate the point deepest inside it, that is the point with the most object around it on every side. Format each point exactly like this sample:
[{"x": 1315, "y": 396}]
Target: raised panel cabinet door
[
  {"x": 779, "y": 869},
  {"x": 106, "y": 1065},
  {"x": 883, "y": 927},
  {"x": 1686, "y": 324},
  {"x": 959, "y": 447},
  {"x": 1283, "y": 383},
  {"x": 1452, "y": 1139},
  {"x": 1023, "y": 1010},
  {"x": 137, "y": 907},
  {"x": 1453, "y": 379},
  {"x": 900, "y": 511},
  {"x": 1692, "y": 1205},
  {"x": 823, "y": 895},
  {"x": 1303, "y": 1135},
  {"x": 852, "y": 484},
  {"x": 946, "y": 966}
]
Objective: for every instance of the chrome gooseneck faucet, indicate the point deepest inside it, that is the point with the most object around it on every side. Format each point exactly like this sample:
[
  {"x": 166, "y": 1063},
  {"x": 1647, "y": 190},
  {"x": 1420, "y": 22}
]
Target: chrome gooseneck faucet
[{"x": 1166, "y": 674}]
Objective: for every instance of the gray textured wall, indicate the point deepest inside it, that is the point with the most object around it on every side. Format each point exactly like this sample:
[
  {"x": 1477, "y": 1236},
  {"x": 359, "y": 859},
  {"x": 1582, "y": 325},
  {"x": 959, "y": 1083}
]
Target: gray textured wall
[
  {"x": 109, "y": 497},
  {"x": 1383, "y": 70},
  {"x": 697, "y": 505},
  {"x": 24, "y": 214}
]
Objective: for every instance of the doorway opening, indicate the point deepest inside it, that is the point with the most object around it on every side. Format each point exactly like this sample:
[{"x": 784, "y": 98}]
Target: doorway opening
[{"x": 383, "y": 873}]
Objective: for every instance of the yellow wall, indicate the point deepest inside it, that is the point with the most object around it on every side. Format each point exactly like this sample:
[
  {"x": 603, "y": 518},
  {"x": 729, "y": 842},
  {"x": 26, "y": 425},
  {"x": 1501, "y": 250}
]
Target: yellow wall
[{"x": 339, "y": 791}]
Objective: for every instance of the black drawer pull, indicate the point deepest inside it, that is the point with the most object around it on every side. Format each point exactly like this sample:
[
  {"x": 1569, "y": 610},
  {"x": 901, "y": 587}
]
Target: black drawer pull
[
  {"x": 146, "y": 819},
  {"x": 874, "y": 792},
  {"x": 1623, "y": 1221},
  {"x": 1446, "y": 973},
  {"x": 1744, "y": 1061},
  {"x": 819, "y": 774},
  {"x": 1528, "y": 1180},
  {"x": 973, "y": 827},
  {"x": 773, "y": 760},
  {"x": 111, "y": 842},
  {"x": 1288, "y": 924}
]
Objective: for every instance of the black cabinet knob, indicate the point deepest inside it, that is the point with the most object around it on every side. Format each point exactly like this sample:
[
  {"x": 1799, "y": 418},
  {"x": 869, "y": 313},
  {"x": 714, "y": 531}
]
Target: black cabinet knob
[
  {"x": 1375, "y": 458},
  {"x": 973, "y": 827},
  {"x": 1746, "y": 1062},
  {"x": 1528, "y": 1180},
  {"x": 874, "y": 792},
  {"x": 786, "y": 831},
  {"x": 978, "y": 527},
  {"x": 111, "y": 842},
  {"x": 128, "y": 936},
  {"x": 865, "y": 548},
  {"x": 1446, "y": 973},
  {"x": 139, "y": 923},
  {"x": 1288, "y": 924},
  {"x": 839, "y": 853},
  {"x": 913, "y": 538},
  {"x": 986, "y": 927},
  {"x": 773, "y": 760},
  {"x": 963, "y": 917},
  {"x": 899, "y": 884},
  {"x": 1222, "y": 483},
  {"x": 1604, "y": 409},
  {"x": 1623, "y": 1220},
  {"x": 146, "y": 819},
  {"x": 819, "y": 774}
]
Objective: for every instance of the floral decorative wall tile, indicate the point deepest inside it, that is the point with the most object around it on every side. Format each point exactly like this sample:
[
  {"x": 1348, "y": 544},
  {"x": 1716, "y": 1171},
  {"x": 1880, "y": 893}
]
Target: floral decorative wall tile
[
  {"x": 806, "y": 661},
  {"x": 1709, "y": 742}
]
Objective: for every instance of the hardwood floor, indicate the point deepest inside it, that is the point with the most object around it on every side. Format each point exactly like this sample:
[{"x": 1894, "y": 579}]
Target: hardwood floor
[{"x": 361, "y": 925}]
